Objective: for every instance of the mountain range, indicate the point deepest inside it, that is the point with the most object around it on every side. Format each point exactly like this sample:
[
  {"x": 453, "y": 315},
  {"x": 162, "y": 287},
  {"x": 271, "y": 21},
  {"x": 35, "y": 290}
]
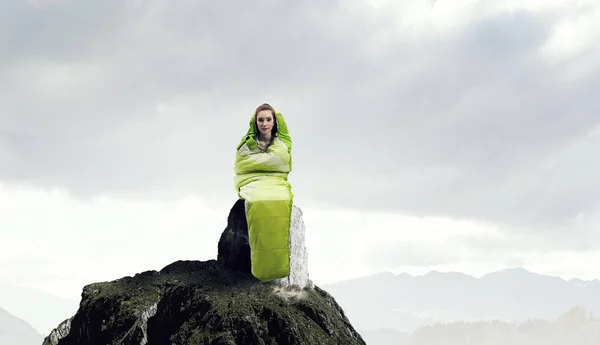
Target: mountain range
[
  {"x": 403, "y": 303},
  {"x": 14, "y": 331},
  {"x": 43, "y": 311}
]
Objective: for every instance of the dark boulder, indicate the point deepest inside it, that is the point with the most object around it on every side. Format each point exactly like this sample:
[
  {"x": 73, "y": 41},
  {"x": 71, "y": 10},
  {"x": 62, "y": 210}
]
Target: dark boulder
[{"x": 233, "y": 249}]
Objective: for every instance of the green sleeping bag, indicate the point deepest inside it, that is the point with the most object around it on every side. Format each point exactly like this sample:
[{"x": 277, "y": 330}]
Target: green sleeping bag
[{"x": 261, "y": 179}]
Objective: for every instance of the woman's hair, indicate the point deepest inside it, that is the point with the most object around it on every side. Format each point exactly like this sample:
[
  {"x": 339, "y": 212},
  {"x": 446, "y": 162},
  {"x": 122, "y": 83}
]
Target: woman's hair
[{"x": 260, "y": 108}]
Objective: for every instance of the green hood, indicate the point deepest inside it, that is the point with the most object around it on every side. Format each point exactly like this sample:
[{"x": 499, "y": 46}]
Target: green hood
[{"x": 282, "y": 133}]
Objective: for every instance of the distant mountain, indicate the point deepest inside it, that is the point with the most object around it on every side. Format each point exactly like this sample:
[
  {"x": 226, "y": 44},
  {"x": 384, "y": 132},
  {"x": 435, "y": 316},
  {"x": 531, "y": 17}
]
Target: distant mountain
[
  {"x": 14, "y": 331},
  {"x": 403, "y": 302},
  {"x": 40, "y": 309},
  {"x": 574, "y": 326}
]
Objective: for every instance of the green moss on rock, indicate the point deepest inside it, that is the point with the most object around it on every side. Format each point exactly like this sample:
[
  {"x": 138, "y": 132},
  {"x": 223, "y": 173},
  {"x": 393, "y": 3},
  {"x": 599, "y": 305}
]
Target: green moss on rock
[{"x": 193, "y": 302}]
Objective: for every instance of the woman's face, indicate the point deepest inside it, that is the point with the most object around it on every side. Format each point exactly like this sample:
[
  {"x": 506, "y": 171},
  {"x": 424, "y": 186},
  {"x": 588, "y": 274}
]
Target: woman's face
[{"x": 265, "y": 121}]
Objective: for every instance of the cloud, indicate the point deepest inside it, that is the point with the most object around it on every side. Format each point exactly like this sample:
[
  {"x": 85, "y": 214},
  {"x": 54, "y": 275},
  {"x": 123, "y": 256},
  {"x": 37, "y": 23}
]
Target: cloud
[
  {"x": 406, "y": 254},
  {"x": 106, "y": 237},
  {"x": 58, "y": 243},
  {"x": 459, "y": 109}
]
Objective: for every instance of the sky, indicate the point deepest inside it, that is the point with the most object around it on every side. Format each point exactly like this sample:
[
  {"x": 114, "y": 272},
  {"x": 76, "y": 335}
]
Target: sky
[{"x": 428, "y": 134}]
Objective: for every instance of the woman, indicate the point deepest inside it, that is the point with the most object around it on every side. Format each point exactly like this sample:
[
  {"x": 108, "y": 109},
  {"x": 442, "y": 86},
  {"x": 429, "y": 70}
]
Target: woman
[{"x": 263, "y": 162}]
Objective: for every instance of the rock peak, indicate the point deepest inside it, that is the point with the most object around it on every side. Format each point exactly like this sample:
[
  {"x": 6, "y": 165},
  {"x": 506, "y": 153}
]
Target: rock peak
[{"x": 214, "y": 302}]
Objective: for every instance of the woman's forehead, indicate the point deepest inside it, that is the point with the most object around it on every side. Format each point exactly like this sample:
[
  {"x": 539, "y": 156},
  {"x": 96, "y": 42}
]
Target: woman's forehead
[{"x": 265, "y": 114}]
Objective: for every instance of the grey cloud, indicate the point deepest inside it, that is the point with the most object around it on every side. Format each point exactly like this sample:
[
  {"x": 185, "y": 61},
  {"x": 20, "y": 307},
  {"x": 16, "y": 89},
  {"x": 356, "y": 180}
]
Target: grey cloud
[
  {"x": 55, "y": 30},
  {"x": 465, "y": 125}
]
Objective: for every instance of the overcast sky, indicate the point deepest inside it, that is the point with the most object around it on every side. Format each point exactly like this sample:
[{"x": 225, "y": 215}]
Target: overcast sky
[{"x": 451, "y": 135}]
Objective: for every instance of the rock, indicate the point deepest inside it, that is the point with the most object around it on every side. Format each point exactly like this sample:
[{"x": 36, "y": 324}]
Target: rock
[
  {"x": 298, "y": 254},
  {"x": 58, "y": 333},
  {"x": 214, "y": 302},
  {"x": 194, "y": 302},
  {"x": 234, "y": 250}
]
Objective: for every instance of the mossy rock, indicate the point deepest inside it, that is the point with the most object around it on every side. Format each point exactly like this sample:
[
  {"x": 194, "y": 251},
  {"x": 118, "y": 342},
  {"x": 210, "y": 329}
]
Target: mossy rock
[{"x": 195, "y": 302}]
